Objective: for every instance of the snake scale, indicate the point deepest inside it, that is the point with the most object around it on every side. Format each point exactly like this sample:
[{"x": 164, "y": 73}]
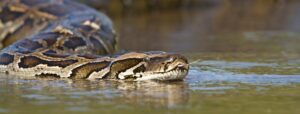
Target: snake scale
[{"x": 66, "y": 39}]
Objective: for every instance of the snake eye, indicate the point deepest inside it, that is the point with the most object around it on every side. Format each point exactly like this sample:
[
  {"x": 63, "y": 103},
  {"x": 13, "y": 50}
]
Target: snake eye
[
  {"x": 171, "y": 59},
  {"x": 147, "y": 59}
]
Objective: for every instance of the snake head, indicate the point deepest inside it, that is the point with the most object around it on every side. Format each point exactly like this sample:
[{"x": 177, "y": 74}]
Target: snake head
[{"x": 150, "y": 66}]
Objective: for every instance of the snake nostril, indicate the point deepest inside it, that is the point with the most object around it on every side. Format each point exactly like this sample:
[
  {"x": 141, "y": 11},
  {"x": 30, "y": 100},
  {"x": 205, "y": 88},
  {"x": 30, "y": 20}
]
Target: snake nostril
[{"x": 165, "y": 68}]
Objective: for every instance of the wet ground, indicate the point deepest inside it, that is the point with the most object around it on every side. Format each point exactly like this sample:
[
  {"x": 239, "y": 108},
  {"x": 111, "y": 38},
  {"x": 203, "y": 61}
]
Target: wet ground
[{"x": 242, "y": 61}]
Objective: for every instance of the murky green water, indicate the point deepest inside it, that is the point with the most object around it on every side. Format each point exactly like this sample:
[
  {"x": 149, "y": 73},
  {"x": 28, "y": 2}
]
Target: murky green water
[
  {"x": 217, "y": 83},
  {"x": 244, "y": 59}
]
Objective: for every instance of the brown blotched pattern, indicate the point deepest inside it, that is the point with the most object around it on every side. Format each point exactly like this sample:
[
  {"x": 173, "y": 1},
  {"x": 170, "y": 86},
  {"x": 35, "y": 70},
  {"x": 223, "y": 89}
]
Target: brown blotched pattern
[
  {"x": 28, "y": 45},
  {"x": 50, "y": 38},
  {"x": 62, "y": 38},
  {"x": 74, "y": 42},
  {"x": 123, "y": 65},
  {"x": 52, "y": 53},
  {"x": 85, "y": 70},
  {"x": 32, "y": 61},
  {"x": 6, "y": 59}
]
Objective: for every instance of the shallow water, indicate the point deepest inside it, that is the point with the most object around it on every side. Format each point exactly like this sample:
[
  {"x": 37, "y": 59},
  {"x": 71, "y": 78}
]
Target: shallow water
[
  {"x": 215, "y": 84},
  {"x": 243, "y": 60}
]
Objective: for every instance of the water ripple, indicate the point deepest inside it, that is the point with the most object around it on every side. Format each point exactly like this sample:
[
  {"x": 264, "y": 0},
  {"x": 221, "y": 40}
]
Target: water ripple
[{"x": 204, "y": 76}]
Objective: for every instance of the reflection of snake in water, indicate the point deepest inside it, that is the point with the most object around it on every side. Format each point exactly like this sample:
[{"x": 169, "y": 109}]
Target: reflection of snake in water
[
  {"x": 64, "y": 39},
  {"x": 146, "y": 92}
]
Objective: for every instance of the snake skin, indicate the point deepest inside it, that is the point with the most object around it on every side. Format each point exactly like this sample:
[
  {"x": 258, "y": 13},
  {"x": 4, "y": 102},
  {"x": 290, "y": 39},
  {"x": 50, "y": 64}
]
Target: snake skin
[{"x": 66, "y": 39}]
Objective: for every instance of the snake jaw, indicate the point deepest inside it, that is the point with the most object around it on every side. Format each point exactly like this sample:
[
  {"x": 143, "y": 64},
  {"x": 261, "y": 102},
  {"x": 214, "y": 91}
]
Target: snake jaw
[{"x": 177, "y": 74}]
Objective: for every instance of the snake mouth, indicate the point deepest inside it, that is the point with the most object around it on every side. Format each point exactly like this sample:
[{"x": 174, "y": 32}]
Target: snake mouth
[{"x": 178, "y": 73}]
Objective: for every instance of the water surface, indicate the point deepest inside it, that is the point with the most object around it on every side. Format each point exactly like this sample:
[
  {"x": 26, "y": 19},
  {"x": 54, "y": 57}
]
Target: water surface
[
  {"x": 244, "y": 59},
  {"x": 215, "y": 84}
]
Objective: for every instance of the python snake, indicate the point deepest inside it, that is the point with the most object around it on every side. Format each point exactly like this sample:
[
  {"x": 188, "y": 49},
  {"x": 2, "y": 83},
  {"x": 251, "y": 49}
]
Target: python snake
[{"x": 66, "y": 39}]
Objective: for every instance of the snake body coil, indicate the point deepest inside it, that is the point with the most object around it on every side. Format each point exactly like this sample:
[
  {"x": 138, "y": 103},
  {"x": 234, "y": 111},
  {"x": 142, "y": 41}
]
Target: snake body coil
[{"x": 62, "y": 38}]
